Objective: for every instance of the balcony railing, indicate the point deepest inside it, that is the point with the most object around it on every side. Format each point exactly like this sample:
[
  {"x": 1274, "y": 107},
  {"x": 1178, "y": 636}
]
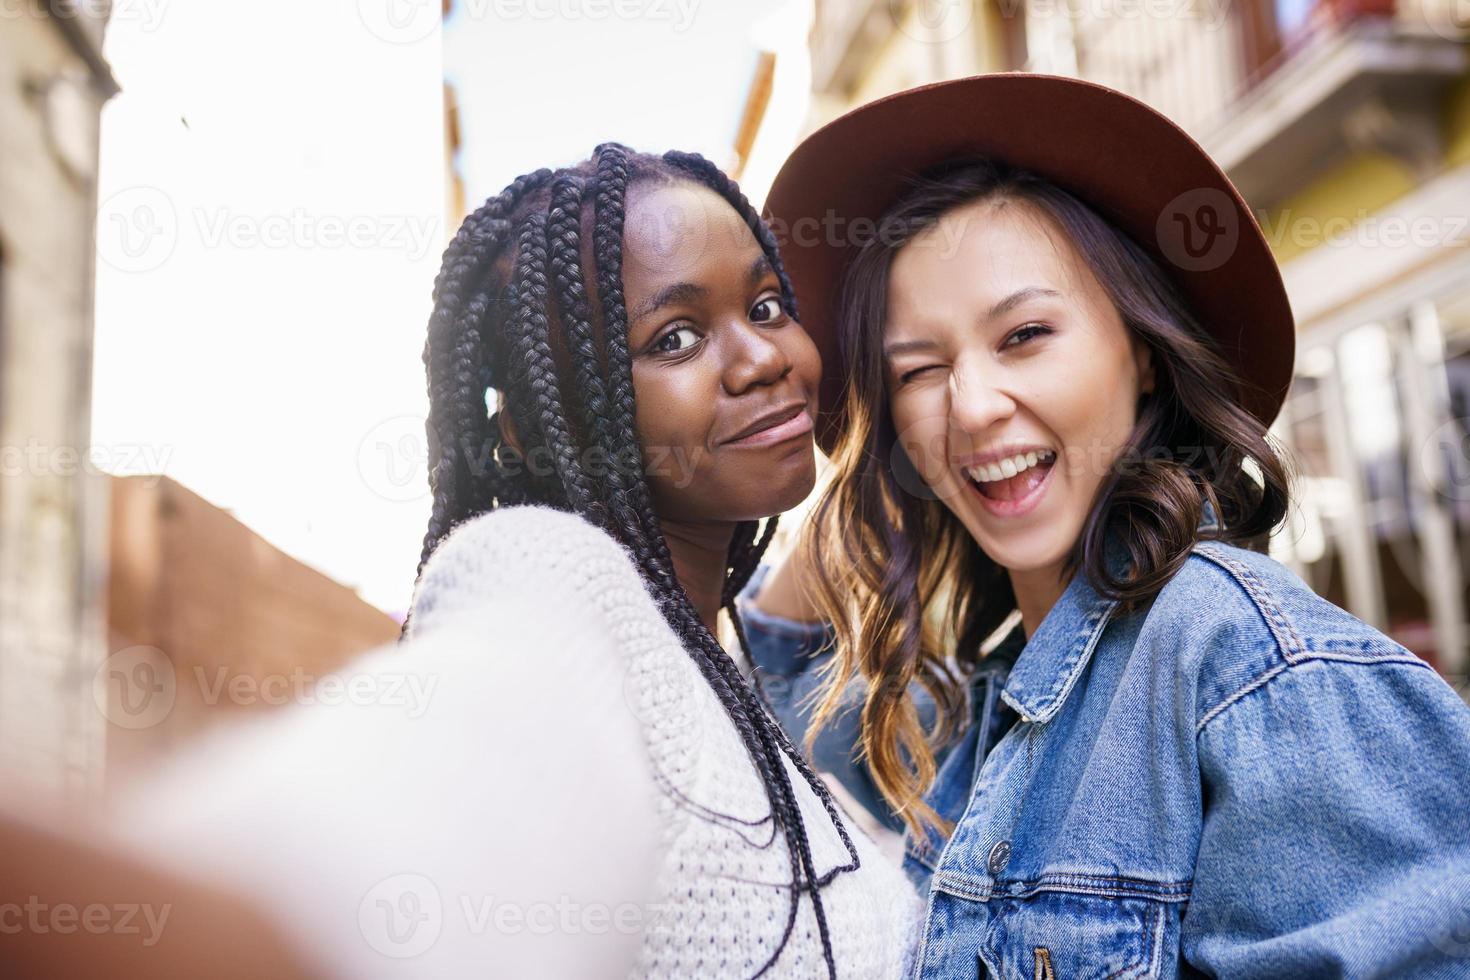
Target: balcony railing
[{"x": 1273, "y": 88}]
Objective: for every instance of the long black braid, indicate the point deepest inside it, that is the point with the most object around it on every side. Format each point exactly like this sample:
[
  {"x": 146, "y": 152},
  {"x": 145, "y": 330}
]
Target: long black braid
[{"x": 512, "y": 312}]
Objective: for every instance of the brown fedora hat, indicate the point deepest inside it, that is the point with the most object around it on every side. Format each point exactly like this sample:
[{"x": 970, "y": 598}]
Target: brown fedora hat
[{"x": 1127, "y": 161}]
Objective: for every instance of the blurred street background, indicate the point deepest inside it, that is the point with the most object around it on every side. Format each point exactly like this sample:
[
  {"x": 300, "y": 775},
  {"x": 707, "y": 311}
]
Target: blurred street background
[{"x": 220, "y": 224}]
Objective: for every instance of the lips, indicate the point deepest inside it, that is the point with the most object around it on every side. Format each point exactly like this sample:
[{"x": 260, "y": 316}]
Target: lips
[
  {"x": 1019, "y": 493},
  {"x": 775, "y": 426}
]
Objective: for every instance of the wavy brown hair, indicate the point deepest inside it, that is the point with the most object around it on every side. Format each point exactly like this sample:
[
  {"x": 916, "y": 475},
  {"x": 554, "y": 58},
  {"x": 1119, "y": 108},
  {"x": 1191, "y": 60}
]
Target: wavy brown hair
[{"x": 910, "y": 594}]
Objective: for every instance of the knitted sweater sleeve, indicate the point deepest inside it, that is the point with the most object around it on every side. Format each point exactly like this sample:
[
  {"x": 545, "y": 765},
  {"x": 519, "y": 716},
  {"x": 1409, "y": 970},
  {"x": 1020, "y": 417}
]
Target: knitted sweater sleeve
[{"x": 483, "y": 802}]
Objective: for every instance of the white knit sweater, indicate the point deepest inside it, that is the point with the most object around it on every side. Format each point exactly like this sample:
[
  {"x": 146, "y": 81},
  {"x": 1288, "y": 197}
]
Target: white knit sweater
[
  {"x": 722, "y": 889},
  {"x": 565, "y": 797}
]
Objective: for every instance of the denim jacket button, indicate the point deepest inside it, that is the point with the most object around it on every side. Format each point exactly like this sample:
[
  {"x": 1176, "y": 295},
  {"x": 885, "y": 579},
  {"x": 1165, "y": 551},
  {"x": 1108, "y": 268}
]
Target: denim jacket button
[{"x": 1000, "y": 856}]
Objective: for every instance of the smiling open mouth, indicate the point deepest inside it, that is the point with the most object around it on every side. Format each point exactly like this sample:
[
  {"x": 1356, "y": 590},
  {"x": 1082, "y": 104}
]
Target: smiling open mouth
[{"x": 1012, "y": 479}]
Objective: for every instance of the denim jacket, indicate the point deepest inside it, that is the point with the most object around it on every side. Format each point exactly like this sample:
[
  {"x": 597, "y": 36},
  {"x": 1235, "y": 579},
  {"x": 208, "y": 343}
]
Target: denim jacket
[{"x": 1238, "y": 780}]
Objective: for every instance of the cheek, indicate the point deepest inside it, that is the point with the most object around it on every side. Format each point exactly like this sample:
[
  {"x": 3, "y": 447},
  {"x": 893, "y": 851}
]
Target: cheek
[
  {"x": 674, "y": 407},
  {"x": 806, "y": 363},
  {"x": 1093, "y": 416},
  {"x": 1122, "y": 394},
  {"x": 658, "y": 420},
  {"x": 922, "y": 430},
  {"x": 676, "y": 411}
]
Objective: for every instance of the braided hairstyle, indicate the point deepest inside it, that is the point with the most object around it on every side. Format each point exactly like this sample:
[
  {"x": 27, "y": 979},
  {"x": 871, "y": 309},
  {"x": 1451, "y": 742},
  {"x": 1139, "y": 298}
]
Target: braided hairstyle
[{"x": 514, "y": 312}]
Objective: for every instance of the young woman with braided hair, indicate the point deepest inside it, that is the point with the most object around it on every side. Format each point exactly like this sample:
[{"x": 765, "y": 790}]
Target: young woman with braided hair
[
  {"x": 634, "y": 319},
  {"x": 585, "y": 784}
]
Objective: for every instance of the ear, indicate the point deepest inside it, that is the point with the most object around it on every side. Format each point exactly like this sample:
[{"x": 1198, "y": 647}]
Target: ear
[
  {"x": 507, "y": 427},
  {"x": 1143, "y": 360}
]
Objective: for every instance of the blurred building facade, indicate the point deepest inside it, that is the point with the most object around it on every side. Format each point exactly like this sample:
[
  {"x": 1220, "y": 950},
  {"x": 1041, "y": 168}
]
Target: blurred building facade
[
  {"x": 1346, "y": 125},
  {"x": 130, "y": 608},
  {"x": 53, "y": 557},
  {"x": 207, "y": 623},
  {"x": 454, "y": 200}
]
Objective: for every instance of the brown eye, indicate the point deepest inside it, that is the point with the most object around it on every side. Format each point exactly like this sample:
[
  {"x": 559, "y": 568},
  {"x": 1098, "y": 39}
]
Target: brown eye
[
  {"x": 766, "y": 309},
  {"x": 674, "y": 341},
  {"x": 1027, "y": 333}
]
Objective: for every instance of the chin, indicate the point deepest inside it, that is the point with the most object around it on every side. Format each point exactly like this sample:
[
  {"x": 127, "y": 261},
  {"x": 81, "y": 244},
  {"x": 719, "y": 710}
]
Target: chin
[
  {"x": 783, "y": 491},
  {"x": 789, "y": 496},
  {"x": 1026, "y": 551}
]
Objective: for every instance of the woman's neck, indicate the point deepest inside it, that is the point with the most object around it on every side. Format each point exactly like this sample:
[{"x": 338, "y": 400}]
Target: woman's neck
[
  {"x": 700, "y": 551},
  {"x": 1037, "y": 590}
]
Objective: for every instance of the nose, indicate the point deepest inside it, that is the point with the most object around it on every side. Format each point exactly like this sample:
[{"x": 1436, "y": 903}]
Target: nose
[
  {"x": 977, "y": 398},
  {"x": 754, "y": 356}
]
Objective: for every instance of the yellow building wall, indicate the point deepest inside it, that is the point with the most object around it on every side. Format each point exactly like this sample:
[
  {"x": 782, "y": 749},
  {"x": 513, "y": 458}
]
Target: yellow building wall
[
  {"x": 1360, "y": 186},
  {"x": 1457, "y": 125},
  {"x": 976, "y": 45},
  {"x": 1349, "y": 192}
]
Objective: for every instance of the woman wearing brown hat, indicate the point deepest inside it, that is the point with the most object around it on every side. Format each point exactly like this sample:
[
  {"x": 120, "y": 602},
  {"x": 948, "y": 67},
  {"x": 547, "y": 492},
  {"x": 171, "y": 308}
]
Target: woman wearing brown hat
[{"x": 1121, "y": 742}]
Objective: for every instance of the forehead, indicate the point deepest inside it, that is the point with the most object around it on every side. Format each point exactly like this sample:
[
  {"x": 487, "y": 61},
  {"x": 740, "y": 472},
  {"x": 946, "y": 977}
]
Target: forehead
[
  {"x": 682, "y": 231},
  {"x": 985, "y": 250}
]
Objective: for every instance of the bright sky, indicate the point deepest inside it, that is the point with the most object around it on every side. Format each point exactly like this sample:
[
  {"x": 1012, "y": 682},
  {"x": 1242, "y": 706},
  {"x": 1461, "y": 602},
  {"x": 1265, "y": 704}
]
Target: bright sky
[{"x": 270, "y": 223}]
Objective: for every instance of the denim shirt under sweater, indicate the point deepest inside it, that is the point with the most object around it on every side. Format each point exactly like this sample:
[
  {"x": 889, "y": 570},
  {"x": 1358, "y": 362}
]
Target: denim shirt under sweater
[{"x": 1240, "y": 780}]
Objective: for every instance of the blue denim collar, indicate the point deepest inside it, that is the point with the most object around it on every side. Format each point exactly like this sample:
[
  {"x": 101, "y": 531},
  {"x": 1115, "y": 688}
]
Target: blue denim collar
[{"x": 1048, "y": 667}]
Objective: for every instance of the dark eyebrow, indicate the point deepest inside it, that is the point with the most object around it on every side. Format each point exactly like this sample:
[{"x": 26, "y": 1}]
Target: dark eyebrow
[
  {"x": 891, "y": 351},
  {"x": 688, "y": 292},
  {"x": 679, "y": 292},
  {"x": 1017, "y": 298}
]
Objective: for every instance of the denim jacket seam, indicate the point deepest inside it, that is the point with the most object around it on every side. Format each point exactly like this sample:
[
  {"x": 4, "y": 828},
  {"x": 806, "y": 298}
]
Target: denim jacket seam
[
  {"x": 1153, "y": 939},
  {"x": 1261, "y": 680},
  {"x": 1254, "y": 684},
  {"x": 924, "y": 934},
  {"x": 1279, "y": 623},
  {"x": 1115, "y": 886},
  {"x": 1094, "y": 627},
  {"x": 982, "y": 888},
  {"x": 1152, "y": 925},
  {"x": 961, "y": 886}
]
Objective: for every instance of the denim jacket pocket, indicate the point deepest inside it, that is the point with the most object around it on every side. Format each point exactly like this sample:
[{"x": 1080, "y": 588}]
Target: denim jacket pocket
[{"x": 1064, "y": 935}]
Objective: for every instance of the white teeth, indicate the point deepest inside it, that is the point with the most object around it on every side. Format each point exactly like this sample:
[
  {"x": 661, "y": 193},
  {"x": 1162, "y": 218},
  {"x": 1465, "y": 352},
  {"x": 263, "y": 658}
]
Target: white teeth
[{"x": 1007, "y": 468}]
